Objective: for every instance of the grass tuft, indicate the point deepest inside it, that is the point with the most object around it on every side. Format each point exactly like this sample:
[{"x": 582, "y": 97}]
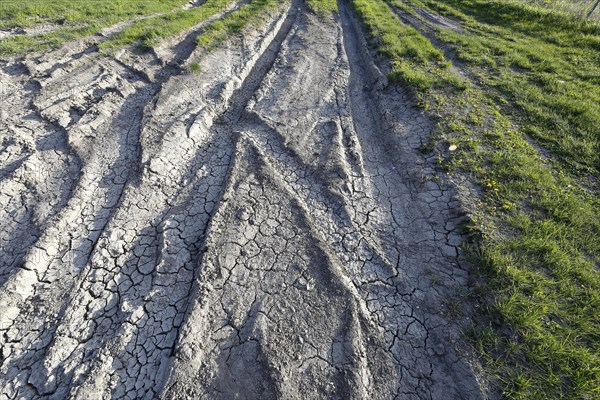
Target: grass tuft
[{"x": 195, "y": 68}]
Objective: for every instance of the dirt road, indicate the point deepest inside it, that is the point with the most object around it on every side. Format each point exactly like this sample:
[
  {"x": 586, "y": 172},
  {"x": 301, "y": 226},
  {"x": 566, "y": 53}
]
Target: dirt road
[{"x": 266, "y": 228}]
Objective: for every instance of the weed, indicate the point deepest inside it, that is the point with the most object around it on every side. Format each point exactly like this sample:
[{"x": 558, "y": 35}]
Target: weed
[{"x": 195, "y": 68}]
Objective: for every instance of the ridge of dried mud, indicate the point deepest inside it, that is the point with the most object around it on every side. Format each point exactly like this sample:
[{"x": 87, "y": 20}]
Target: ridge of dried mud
[{"x": 264, "y": 229}]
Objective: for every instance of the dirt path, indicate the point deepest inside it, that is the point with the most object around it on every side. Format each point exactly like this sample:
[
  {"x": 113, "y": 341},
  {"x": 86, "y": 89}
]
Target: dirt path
[{"x": 264, "y": 229}]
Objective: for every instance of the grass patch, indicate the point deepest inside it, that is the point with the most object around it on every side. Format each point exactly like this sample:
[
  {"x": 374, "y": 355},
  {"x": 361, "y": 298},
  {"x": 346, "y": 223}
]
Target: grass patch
[
  {"x": 535, "y": 229},
  {"x": 577, "y": 8},
  {"x": 547, "y": 66},
  {"x": 249, "y": 14},
  {"x": 195, "y": 68},
  {"x": 149, "y": 32},
  {"x": 323, "y": 7},
  {"x": 22, "y": 45},
  {"x": 74, "y": 19},
  {"x": 30, "y": 13},
  {"x": 414, "y": 60}
]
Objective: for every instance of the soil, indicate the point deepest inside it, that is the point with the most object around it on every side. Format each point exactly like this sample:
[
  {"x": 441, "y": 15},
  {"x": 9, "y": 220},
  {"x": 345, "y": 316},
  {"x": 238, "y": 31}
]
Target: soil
[{"x": 266, "y": 228}]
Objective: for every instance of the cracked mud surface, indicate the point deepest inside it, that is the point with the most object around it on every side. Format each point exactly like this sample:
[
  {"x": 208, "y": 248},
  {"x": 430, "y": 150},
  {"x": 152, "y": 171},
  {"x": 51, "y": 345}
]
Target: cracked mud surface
[{"x": 264, "y": 229}]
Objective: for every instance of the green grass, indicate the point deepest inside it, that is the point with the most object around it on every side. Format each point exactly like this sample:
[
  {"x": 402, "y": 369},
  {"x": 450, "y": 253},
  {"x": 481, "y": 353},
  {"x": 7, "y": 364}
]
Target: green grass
[
  {"x": 249, "y": 14},
  {"x": 578, "y": 8},
  {"x": 322, "y": 7},
  {"x": 22, "y": 45},
  {"x": 195, "y": 68},
  {"x": 74, "y": 19},
  {"x": 31, "y": 13},
  {"x": 547, "y": 66},
  {"x": 146, "y": 33},
  {"x": 535, "y": 228},
  {"x": 414, "y": 61},
  {"x": 149, "y": 32}
]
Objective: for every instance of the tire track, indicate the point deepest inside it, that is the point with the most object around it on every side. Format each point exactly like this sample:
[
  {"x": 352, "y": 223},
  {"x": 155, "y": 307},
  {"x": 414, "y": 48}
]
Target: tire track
[
  {"x": 90, "y": 312},
  {"x": 418, "y": 209},
  {"x": 229, "y": 333},
  {"x": 335, "y": 364}
]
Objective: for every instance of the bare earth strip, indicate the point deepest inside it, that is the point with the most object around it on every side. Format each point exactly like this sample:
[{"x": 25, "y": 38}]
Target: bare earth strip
[{"x": 266, "y": 228}]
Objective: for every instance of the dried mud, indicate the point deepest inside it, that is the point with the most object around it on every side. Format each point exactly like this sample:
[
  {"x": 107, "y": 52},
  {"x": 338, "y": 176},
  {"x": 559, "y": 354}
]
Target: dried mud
[{"x": 267, "y": 228}]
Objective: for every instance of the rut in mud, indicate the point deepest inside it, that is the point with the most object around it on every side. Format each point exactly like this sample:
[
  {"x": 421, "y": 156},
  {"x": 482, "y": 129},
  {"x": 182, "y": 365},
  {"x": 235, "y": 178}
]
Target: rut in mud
[{"x": 266, "y": 228}]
